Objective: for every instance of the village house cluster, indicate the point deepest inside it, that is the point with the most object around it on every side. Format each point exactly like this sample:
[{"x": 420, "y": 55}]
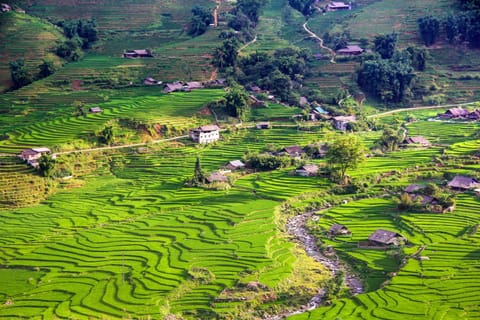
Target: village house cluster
[{"x": 459, "y": 113}]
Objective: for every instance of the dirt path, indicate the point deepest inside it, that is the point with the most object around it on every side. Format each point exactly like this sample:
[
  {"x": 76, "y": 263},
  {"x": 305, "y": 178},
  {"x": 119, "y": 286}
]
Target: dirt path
[
  {"x": 247, "y": 44},
  {"x": 121, "y": 146},
  {"x": 320, "y": 42},
  {"x": 420, "y": 108}
]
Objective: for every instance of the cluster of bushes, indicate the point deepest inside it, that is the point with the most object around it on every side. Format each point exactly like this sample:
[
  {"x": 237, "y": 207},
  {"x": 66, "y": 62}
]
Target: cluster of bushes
[
  {"x": 266, "y": 161},
  {"x": 388, "y": 74},
  {"x": 415, "y": 202},
  {"x": 463, "y": 27},
  {"x": 21, "y": 77},
  {"x": 81, "y": 34},
  {"x": 201, "y": 19}
]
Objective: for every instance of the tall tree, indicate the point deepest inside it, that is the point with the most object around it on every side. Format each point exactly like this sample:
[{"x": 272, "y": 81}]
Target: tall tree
[
  {"x": 429, "y": 29},
  {"x": 237, "y": 102},
  {"x": 344, "y": 152},
  {"x": 201, "y": 18},
  {"x": 199, "y": 177},
  {"x": 19, "y": 73},
  {"x": 46, "y": 165},
  {"x": 391, "y": 139},
  {"x": 385, "y": 44}
]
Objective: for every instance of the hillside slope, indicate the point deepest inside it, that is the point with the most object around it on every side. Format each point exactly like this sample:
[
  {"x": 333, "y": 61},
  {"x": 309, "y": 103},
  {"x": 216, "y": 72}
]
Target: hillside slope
[{"x": 23, "y": 36}]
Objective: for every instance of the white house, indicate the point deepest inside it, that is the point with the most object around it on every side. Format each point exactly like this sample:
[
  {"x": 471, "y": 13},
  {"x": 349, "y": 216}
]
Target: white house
[
  {"x": 32, "y": 155},
  {"x": 205, "y": 134}
]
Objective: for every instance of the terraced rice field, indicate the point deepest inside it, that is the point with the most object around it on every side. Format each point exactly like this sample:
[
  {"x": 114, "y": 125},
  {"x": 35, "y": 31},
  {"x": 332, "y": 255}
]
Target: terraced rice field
[
  {"x": 174, "y": 110},
  {"x": 441, "y": 286},
  {"x": 126, "y": 241}
]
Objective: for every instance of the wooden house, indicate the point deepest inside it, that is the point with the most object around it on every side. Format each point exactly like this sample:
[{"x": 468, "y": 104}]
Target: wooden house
[
  {"x": 307, "y": 170},
  {"x": 352, "y": 50},
  {"x": 417, "y": 140},
  {"x": 263, "y": 125},
  {"x": 454, "y": 113},
  {"x": 95, "y": 110},
  {"x": 217, "y": 177},
  {"x": 234, "y": 165},
  {"x": 386, "y": 238},
  {"x": 338, "y": 229},
  {"x": 293, "y": 151},
  {"x": 172, "y": 87},
  {"x": 341, "y": 122},
  {"x": 142, "y": 53},
  {"x": 338, "y": 5},
  {"x": 463, "y": 183}
]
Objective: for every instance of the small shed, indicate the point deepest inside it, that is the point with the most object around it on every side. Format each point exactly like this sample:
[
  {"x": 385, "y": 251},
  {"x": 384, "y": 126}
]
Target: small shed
[
  {"x": 151, "y": 81},
  {"x": 192, "y": 85},
  {"x": 418, "y": 140},
  {"x": 234, "y": 165},
  {"x": 413, "y": 187},
  {"x": 293, "y": 151},
  {"x": 307, "y": 170},
  {"x": 263, "y": 125},
  {"x": 338, "y": 229},
  {"x": 340, "y": 122},
  {"x": 5, "y": 7},
  {"x": 172, "y": 87},
  {"x": 383, "y": 237},
  {"x": 474, "y": 115},
  {"x": 95, "y": 110},
  {"x": 217, "y": 177},
  {"x": 338, "y": 5},
  {"x": 463, "y": 183},
  {"x": 352, "y": 50}
]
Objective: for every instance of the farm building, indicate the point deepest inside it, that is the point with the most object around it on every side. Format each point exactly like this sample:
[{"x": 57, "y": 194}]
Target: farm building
[
  {"x": 172, "y": 87},
  {"x": 217, "y": 177},
  {"x": 263, "y": 125},
  {"x": 463, "y": 183},
  {"x": 151, "y": 82},
  {"x": 341, "y": 122},
  {"x": 318, "y": 113},
  {"x": 32, "y": 155},
  {"x": 317, "y": 150},
  {"x": 338, "y": 5},
  {"x": 256, "y": 102},
  {"x": 95, "y": 110},
  {"x": 234, "y": 165},
  {"x": 338, "y": 229},
  {"x": 143, "y": 53},
  {"x": 424, "y": 199},
  {"x": 205, "y": 134},
  {"x": 419, "y": 140},
  {"x": 454, "y": 113},
  {"x": 303, "y": 101},
  {"x": 255, "y": 89},
  {"x": 350, "y": 50},
  {"x": 386, "y": 238},
  {"x": 192, "y": 85},
  {"x": 292, "y": 151},
  {"x": 474, "y": 115},
  {"x": 5, "y": 7},
  {"x": 413, "y": 187},
  {"x": 307, "y": 170}
]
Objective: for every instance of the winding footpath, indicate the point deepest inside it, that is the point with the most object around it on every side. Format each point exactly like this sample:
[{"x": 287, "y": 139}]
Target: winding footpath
[{"x": 320, "y": 42}]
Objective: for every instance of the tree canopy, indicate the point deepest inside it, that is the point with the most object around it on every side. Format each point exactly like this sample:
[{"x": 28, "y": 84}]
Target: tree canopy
[
  {"x": 385, "y": 44},
  {"x": 344, "y": 152},
  {"x": 19, "y": 73},
  {"x": 429, "y": 29},
  {"x": 201, "y": 19}
]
